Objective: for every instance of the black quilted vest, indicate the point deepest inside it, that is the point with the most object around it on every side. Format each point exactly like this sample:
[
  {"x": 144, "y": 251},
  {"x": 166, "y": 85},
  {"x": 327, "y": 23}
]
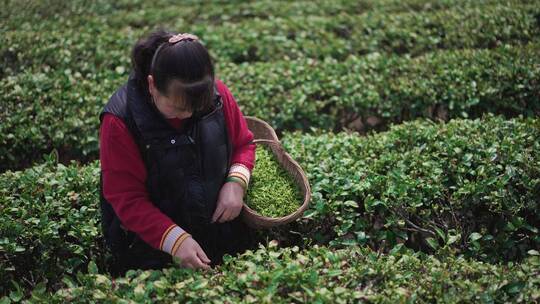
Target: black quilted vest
[{"x": 185, "y": 169}]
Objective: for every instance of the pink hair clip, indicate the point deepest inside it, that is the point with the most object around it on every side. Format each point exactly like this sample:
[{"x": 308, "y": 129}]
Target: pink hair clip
[{"x": 182, "y": 36}]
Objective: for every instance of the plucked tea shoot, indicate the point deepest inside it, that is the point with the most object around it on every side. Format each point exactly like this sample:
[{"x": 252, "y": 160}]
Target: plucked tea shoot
[{"x": 272, "y": 191}]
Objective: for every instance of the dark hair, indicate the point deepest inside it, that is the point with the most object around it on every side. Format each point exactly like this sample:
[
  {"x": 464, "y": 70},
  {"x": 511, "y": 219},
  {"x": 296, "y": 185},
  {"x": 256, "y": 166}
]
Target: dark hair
[{"x": 188, "y": 62}]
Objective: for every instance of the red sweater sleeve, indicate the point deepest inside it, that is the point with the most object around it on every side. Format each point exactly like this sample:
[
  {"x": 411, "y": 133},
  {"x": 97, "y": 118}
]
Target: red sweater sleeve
[
  {"x": 240, "y": 135},
  {"x": 124, "y": 183}
]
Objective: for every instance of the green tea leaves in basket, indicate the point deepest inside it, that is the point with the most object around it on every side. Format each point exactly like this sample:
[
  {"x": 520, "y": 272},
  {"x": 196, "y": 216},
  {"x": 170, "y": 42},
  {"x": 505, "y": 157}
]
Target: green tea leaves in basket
[{"x": 272, "y": 192}]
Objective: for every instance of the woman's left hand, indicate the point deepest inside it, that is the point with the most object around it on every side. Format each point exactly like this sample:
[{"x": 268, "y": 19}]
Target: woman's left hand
[{"x": 230, "y": 202}]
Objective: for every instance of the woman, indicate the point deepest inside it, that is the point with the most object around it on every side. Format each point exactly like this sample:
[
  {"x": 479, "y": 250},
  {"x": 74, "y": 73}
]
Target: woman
[{"x": 176, "y": 157}]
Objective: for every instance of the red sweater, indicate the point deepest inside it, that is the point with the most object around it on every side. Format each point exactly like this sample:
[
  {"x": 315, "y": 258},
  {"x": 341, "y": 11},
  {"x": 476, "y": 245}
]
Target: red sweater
[{"x": 124, "y": 173}]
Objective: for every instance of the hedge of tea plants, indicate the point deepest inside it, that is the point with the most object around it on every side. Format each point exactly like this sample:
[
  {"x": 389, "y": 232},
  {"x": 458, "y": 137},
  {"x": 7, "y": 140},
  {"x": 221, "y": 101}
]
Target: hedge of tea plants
[
  {"x": 266, "y": 9},
  {"x": 340, "y": 36},
  {"x": 56, "y": 74},
  {"x": 467, "y": 187},
  {"x": 76, "y": 42},
  {"x": 473, "y": 185},
  {"x": 231, "y": 11},
  {"x": 318, "y": 275},
  {"x": 364, "y": 93},
  {"x": 50, "y": 222},
  {"x": 360, "y": 93},
  {"x": 88, "y": 42},
  {"x": 84, "y": 40}
]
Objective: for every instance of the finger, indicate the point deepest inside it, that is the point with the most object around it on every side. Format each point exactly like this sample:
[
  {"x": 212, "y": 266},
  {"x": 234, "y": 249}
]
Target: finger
[
  {"x": 196, "y": 262},
  {"x": 232, "y": 213},
  {"x": 225, "y": 216},
  {"x": 202, "y": 265},
  {"x": 219, "y": 211},
  {"x": 187, "y": 265},
  {"x": 203, "y": 256},
  {"x": 237, "y": 213}
]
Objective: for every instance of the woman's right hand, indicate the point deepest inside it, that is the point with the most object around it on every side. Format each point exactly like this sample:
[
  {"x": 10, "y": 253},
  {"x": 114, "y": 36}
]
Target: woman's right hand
[{"x": 191, "y": 255}]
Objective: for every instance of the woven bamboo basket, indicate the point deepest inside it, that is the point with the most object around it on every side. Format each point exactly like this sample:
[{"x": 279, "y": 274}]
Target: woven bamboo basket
[{"x": 264, "y": 134}]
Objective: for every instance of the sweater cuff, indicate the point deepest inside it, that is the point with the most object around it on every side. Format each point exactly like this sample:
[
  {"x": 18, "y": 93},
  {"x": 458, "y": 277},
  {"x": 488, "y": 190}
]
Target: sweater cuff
[
  {"x": 170, "y": 238},
  {"x": 240, "y": 171}
]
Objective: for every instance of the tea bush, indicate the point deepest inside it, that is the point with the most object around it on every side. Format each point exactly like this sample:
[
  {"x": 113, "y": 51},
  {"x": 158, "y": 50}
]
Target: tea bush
[
  {"x": 49, "y": 223},
  {"x": 56, "y": 110},
  {"x": 56, "y": 74},
  {"x": 371, "y": 92},
  {"x": 103, "y": 42},
  {"x": 59, "y": 109},
  {"x": 236, "y": 12},
  {"x": 343, "y": 35},
  {"x": 136, "y": 14},
  {"x": 318, "y": 275},
  {"x": 467, "y": 187}
]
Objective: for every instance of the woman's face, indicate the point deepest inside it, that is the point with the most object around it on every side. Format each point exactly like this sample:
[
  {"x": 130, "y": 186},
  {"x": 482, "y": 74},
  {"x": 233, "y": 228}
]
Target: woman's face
[{"x": 167, "y": 106}]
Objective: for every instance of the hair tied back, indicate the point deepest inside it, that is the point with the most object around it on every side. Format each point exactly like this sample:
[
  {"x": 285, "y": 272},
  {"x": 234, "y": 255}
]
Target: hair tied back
[{"x": 172, "y": 40}]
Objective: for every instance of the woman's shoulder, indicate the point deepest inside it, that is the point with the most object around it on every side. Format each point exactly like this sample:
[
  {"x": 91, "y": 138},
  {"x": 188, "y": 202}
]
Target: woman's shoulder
[
  {"x": 222, "y": 88},
  {"x": 227, "y": 97},
  {"x": 113, "y": 125}
]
